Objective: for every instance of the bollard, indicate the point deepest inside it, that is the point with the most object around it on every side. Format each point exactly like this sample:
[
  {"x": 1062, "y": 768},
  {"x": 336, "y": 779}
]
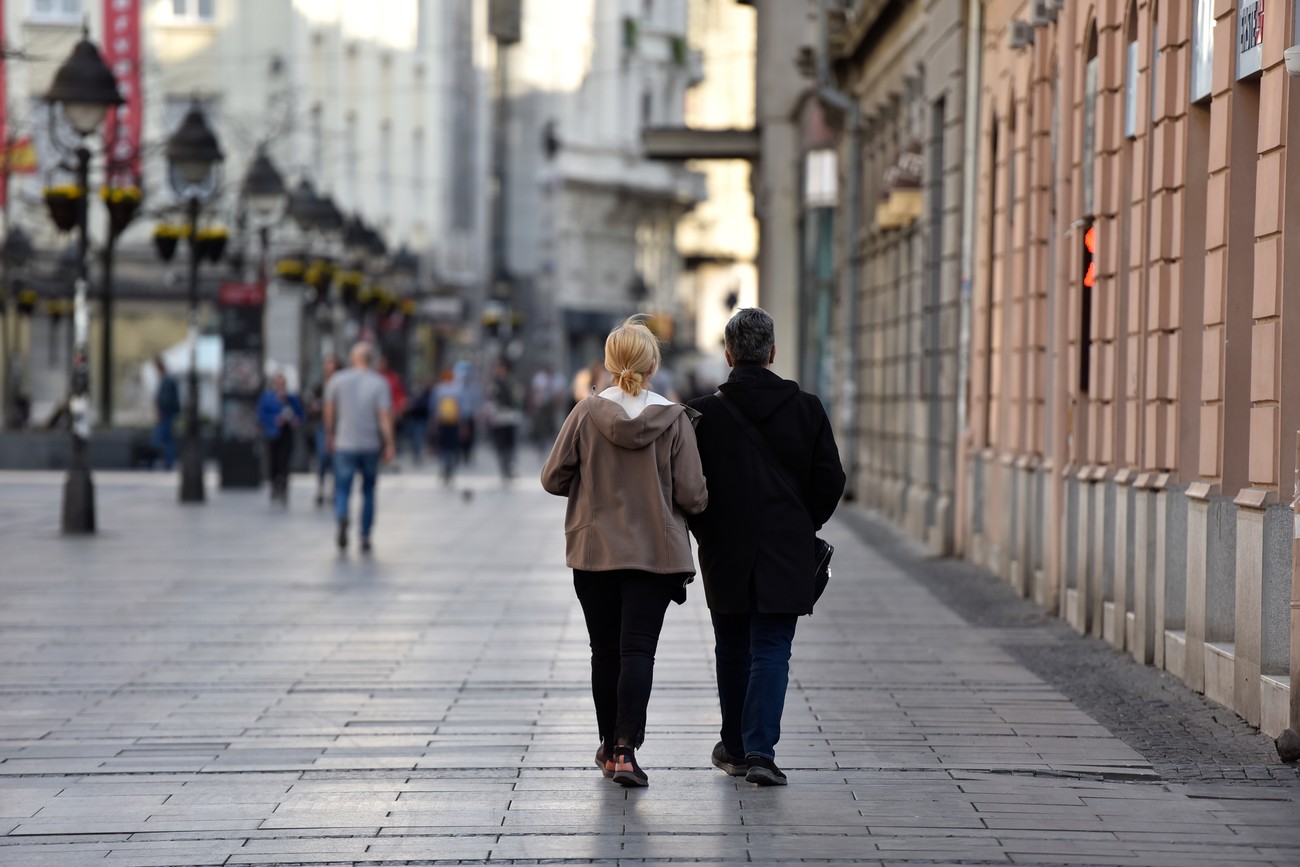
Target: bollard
[{"x": 1288, "y": 743}]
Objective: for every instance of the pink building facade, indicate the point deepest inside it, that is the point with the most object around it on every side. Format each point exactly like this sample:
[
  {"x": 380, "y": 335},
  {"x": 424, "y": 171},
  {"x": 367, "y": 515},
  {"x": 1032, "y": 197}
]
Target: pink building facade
[{"x": 1127, "y": 386}]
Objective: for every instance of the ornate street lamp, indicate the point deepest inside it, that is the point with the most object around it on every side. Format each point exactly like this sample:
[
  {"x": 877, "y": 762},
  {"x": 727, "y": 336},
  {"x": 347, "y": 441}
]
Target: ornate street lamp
[
  {"x": 265, "y": 194},
  {"x": 194, "y": 156},
  {"x": 85, "y": 89}
]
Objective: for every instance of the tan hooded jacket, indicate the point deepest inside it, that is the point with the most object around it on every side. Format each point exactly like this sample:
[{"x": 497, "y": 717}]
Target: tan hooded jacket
[{"x": 631, "y": 482}]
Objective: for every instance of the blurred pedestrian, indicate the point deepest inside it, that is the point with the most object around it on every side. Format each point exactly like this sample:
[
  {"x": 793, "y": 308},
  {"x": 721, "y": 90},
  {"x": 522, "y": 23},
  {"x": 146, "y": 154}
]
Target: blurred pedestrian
[
  {"x": 280, "y": 413},
  {"x": 542, "y": 407},
  {"x": 316, "y": 427},
  {"x": 471, "y": 404},
  {"x": 359, "y": 433},
  {"x": 415, "y": 423},
  {"x": 762, "y": 441},
  {"x": 447, "y": 411},
  {"x": 626, "y": 460},
  {"x": 167, "y": 405},
  {"x": 396, "y": 390},
  {"x": 504, "y": 415}
]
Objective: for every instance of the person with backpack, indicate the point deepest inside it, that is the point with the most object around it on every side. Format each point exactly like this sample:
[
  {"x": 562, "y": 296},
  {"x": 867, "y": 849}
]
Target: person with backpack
[
  {"x": 446, "y": 411},
  {"x": 626, "y": 461}
]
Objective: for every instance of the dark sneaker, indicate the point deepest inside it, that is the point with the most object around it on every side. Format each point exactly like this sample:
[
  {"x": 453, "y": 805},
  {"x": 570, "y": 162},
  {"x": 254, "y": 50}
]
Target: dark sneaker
[
  {"x": 764, "y": 772},
  {"x": 342, "y": 538},
  {"x": 605, "y": 760},
  {"x": 365, "y": 544},
  {"x": 728, "y": 763},
  {"x": 626, "y": 771}
]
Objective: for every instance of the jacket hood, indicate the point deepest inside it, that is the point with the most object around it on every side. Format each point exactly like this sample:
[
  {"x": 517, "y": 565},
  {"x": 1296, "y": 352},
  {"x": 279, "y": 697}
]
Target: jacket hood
[
  {"x": 758, "y": 391},
  {"x": 633, "y": 433}
]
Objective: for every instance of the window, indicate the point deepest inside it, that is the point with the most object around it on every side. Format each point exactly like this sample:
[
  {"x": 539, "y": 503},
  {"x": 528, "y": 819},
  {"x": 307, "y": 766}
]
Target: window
[
  {"x": 1090, "y": 122},
  {"x": 417, "y": 176},
  {"x": 386, "y": 168},
  {"x": 1131, "y": 76},
  {"x": 351, "y": 156},
  {"x": 56, "y": 10},
  {"x": 1155, "y": 59},
  {"x": 1202, "y": 50},
  {"x": 317, "y": 140},
  {"x": 194, "y": 10}
]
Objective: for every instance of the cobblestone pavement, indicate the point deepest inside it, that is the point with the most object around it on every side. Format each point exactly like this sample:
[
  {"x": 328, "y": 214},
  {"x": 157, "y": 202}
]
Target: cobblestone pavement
[{"x": 215, "y": 685}]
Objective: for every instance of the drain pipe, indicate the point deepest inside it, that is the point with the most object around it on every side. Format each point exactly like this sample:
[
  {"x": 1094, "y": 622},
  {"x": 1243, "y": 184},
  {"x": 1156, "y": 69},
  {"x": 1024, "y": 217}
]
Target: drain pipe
[
  {"x": 970, "y": 180},
  {"x": 833, "y": 96}
]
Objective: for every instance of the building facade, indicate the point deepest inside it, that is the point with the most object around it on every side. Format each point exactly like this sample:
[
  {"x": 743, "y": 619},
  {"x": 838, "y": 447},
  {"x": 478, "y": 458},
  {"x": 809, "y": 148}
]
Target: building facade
[
  {"x": 718, "y": 240},
  {"x": 1066, "y": 327},
  {"x": 895, "y": 382},
  {"x": 590, "y": 230},
  {"x": 385, "y": 109}
]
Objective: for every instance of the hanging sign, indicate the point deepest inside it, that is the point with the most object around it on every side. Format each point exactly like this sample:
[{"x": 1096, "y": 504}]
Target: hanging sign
[
  {"x": 125, "y": 123},
  {"x": 1250, "y": 37}
]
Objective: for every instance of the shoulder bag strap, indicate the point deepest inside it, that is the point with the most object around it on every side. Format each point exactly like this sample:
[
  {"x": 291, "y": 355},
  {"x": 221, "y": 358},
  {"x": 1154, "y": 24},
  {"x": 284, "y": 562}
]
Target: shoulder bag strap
[{"x": 766, "y": 450}]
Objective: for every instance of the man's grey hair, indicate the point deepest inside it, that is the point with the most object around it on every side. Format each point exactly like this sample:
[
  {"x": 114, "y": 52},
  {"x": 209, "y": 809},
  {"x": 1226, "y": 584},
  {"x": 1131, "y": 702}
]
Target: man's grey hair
[
  {"x": 750, "y": 336},
  {"x": 363, "y": 353}
]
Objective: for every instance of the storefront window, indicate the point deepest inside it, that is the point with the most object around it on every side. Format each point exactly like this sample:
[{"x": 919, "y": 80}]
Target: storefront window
[{"x": 1202, "y": 50}]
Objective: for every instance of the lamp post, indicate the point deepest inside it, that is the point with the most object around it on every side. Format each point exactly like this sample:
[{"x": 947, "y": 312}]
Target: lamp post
[
  {"x": 265, "y": 195},
  {"x": 85, "y": 89},
  {"x": 193, "y": 154}
]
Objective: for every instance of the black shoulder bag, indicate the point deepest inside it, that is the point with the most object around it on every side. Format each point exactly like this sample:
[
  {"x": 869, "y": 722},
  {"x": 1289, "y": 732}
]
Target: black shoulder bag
[{"x": 822, "y": 550}]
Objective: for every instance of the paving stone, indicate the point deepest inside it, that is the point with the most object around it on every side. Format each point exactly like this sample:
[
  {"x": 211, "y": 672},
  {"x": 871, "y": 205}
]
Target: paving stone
[{"x": 193, "y": 701}]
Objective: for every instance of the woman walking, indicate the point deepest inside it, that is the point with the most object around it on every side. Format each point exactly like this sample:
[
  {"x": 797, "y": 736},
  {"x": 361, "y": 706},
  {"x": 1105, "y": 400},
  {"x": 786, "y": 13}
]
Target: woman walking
[
  {"x": 626, "y": 460},
  {"x": 280, "y": 414}
]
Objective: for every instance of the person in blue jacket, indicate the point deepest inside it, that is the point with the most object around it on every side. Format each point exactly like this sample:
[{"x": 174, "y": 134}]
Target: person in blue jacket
[{"x": 280, "y": 413}]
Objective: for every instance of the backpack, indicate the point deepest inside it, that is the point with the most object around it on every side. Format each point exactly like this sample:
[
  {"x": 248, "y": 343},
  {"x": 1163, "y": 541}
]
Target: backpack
[{"x": 448, "y": 409}]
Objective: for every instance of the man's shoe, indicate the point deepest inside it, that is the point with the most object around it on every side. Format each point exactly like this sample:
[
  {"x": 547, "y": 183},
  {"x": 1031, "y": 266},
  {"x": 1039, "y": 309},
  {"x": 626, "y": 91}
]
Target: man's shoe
[
  {"x": 342, "y": 538},
  {"x": 626, "y": 771},
  {"x": 728, "y": 763},
  {"x": 764, "y": 772},
  {"x": 605, "y": 760},
  {"x": 365, "y": 544}
]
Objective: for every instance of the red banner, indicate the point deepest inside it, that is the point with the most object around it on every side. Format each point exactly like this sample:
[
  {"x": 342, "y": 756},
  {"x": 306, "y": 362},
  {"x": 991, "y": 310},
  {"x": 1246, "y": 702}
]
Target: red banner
[
  {"x": 125, "y": 124},
  {"x": 4, "y": 110}
]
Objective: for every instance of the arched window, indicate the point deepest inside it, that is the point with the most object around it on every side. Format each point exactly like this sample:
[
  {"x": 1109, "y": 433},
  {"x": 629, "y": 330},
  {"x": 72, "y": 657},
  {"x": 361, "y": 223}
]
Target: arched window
[{"x": 1131, "y": 72}]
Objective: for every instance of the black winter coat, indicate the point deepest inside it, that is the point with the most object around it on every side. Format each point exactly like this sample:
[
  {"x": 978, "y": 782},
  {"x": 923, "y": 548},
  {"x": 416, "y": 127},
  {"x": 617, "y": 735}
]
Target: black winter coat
[{"x": 755, "y": 539}]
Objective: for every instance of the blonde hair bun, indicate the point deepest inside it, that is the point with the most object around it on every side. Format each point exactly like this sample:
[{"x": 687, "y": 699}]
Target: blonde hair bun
[{"x": 631, "y": 355}]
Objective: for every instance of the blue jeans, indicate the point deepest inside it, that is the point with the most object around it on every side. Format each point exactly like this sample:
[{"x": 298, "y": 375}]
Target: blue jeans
[
  {"x": 164, "y": 439},
  {"x": 752, "y": 652},
  {"x": 346, "y": 466},
  {"x": 324, "y": 460}
]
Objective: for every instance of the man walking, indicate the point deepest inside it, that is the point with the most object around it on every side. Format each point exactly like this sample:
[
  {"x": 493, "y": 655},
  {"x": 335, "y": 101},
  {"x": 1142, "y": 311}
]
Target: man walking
[
  {"x": 359, "y": 433},
  {"x": 756, "y": 536},
  {"x": 167, "y": 403}
]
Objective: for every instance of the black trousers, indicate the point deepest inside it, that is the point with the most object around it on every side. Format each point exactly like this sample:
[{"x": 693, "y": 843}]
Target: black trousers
[
  {"x": 281, "y": 450},
  {"x": 624, "y": 610}
]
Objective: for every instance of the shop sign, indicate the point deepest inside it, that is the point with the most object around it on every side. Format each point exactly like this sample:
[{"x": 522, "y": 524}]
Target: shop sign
[{"x": 1250, "y": 37}]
